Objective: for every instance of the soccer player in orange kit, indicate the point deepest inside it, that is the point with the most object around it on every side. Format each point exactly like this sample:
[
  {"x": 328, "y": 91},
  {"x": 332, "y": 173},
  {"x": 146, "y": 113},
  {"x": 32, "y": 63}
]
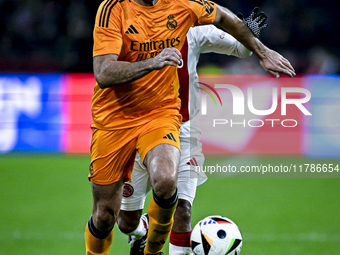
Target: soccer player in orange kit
[{"x": 135, "y": 104}]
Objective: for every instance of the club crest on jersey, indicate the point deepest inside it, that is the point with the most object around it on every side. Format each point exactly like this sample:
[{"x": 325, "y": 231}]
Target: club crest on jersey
[
  {"x": 172, "y": 23},
  {"x": 128, "y": 190}
]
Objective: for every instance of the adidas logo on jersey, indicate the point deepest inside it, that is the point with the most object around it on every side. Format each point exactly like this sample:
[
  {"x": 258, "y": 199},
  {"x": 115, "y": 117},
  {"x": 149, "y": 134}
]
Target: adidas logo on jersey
[
  {"x": 192, "y": 162},
  {"x": 170, "y": 136},
  {"x": 131, "y": 30}
]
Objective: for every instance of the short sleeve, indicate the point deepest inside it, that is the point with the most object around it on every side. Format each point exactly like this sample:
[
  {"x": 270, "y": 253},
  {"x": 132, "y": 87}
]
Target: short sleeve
[
  {"x": 205, "y": 11},
  {"x": 107, "y": 34}
]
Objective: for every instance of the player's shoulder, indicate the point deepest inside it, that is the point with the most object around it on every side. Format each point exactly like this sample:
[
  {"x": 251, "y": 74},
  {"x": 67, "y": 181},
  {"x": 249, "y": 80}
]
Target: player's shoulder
[
  {"x": 190, "y": 4},
  {"x": 107, "y": 9},
  {"x": 108, "y": 6},
  {"x": 200, "y": 2},
  {"x": 208, "y": 5}
]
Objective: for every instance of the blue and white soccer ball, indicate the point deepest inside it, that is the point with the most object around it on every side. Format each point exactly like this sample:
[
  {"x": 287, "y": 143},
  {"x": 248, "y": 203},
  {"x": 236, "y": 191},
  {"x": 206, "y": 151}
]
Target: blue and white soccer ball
[{"x": 216, "y": 235}]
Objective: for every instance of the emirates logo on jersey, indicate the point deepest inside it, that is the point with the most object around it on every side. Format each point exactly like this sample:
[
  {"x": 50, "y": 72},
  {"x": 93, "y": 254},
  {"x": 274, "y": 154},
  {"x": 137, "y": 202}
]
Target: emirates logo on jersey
[{"x": 172, "y": 23}]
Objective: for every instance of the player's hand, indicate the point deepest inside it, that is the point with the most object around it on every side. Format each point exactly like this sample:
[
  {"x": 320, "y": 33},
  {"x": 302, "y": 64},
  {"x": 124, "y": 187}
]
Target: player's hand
[
  {"x": 276, "y": 64},
  {"x": 168, "y": 56},
  {"x": 255, "y": 22}
]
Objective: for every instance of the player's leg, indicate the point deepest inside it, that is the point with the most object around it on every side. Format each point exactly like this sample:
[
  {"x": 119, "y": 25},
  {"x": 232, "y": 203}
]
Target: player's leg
[
  {"x": 161, "y": 159},
  {"x": 162, "y": 164},
  {"x": 181, "y": 230},
  {"x": 106, "y": 204},
  {"x": 111, "y": 165},
  {"x": 131, "y": 221},
  {"x": 191, "y": 156},
  {"x": 128, "y": 222},
  {"x": 136, "y": 226}
]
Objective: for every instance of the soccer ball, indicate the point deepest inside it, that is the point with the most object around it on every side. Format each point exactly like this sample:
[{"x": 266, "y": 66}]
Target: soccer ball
[{"x": 216, "y": 235}]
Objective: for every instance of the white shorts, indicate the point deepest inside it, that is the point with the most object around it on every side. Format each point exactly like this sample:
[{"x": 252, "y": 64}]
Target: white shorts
[{"x": 136, "y": 190}]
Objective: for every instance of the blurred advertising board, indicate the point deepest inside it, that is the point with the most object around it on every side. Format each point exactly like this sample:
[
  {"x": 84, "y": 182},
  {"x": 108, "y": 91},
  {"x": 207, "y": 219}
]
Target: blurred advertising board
[
  {"x": 31, "y": 114},
  {"x": 45, "y": 112},
  {"x": 321, "y": 134},
  {"x": 238, "y": 114},
  {"x": 77, "y": 112}
]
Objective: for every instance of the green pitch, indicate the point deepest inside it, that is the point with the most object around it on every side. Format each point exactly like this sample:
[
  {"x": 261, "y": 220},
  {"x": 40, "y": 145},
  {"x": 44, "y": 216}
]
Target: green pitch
[{"x": 46, "y": 201}]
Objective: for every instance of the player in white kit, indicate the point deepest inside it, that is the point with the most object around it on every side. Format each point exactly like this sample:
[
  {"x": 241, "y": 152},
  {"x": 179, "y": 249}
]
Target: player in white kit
[{"x": 202, "y": 39}]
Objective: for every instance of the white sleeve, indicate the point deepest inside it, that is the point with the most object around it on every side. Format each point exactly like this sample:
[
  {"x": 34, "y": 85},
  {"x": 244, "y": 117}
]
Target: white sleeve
[{"x": 211, "y": 39}]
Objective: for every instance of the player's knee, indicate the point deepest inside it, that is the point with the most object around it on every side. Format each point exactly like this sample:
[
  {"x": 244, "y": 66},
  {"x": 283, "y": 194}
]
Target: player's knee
[
  {"x": 164, "y": 186},
  {"x": 127, "y": 224},
  {"x": 105, "y": 218}
]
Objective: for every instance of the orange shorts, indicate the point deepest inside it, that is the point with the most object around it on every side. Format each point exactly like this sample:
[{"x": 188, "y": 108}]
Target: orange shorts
[{"x": 113, "y": 151}]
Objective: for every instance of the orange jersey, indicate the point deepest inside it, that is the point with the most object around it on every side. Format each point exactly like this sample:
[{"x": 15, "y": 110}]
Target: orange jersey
[{"x": 135, "y": 32}]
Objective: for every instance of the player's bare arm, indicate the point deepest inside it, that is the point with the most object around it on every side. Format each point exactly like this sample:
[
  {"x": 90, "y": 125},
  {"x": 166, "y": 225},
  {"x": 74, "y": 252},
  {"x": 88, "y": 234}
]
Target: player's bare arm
[
  {"x": 109, "y": 71},
  {"x": 270, "y": 60}
]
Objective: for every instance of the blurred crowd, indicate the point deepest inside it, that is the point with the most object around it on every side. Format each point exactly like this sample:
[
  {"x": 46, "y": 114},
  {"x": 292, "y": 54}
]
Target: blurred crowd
[{"x": 56, "y": 36}]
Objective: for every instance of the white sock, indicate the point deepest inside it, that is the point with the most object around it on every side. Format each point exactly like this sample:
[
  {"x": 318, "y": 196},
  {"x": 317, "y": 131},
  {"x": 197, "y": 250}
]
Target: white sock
[{"x": 179, "y": 250}]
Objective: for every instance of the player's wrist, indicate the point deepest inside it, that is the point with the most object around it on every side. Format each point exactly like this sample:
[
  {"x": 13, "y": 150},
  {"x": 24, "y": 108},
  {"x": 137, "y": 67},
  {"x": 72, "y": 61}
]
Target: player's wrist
[
  {"x": 150, "y": 64},
  {"x": 146, "y": 65},
  {"x": 260, "y": 50}
]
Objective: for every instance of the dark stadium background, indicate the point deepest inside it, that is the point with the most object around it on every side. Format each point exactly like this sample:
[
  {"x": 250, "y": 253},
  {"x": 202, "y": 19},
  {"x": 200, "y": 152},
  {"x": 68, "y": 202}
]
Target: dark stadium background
[
  {"x": 56, "y": 36},
  {"x": 45, "y": 198}
]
